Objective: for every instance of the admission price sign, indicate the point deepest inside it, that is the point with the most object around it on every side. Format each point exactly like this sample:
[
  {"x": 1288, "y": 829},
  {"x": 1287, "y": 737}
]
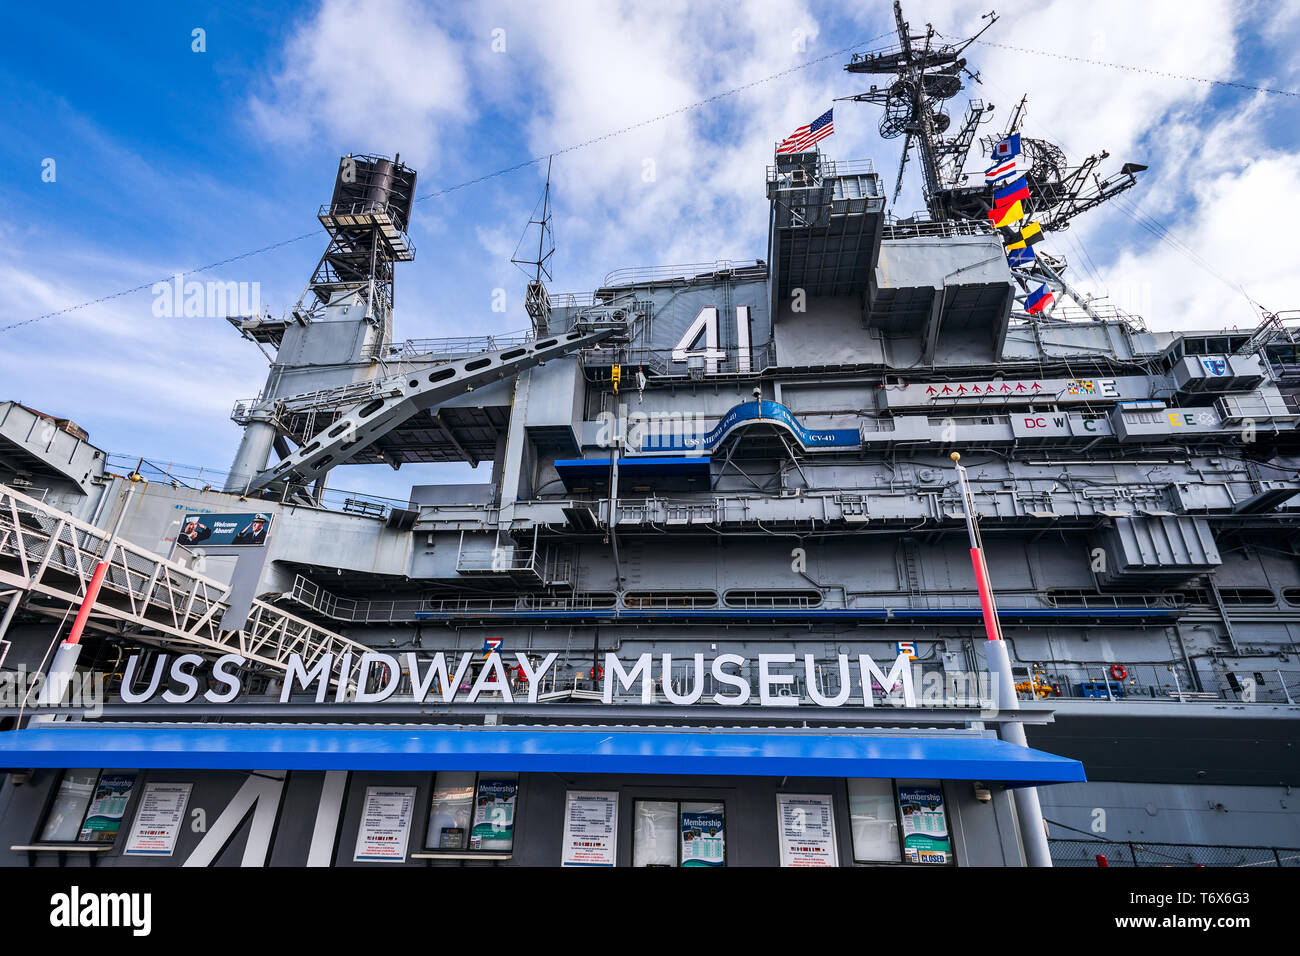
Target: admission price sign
[
  {"x": 807, "y": 828},
  {"x": 158, "y": 821},
  {"x": 385, "y": 825},
  {"x": 925, "y": 825},
  {"x": 590, "y": 828}
]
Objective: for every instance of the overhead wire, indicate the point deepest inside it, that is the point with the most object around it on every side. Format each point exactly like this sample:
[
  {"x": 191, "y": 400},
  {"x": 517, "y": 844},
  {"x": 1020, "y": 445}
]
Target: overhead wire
[
  {"x": 1141, "y": 69},
  {"x": 437, "y": 194}
]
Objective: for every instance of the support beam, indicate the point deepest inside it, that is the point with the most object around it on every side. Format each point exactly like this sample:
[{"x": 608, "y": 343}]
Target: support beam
[{"x": 446, "y": 430}]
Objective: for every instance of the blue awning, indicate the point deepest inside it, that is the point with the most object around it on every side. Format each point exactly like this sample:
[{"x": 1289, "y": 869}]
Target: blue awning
[
  {"x": 577, "y": 471},
  {"x": 722, "y": 752}
]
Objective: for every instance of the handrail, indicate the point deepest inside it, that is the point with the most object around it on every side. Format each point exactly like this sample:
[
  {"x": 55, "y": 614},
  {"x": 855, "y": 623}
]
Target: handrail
[
  {"x": 55, "y": 555},
  {"x": 685, "y": 272},
  {"x": 454, "y": 345}
]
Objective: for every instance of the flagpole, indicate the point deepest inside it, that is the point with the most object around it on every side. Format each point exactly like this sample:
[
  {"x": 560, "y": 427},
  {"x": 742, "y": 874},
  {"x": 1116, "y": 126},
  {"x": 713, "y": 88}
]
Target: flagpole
[{"x": 1033, "y": 833}]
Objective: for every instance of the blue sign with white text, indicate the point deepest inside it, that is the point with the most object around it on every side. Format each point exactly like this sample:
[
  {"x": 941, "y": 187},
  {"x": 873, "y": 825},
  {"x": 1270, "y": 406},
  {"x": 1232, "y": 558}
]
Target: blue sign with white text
[{"x": 749, "y": 412}]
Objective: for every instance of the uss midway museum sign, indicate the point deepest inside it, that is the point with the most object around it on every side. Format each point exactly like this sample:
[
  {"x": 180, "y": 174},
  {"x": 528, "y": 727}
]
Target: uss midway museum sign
[{"x": 375, "y": 677}]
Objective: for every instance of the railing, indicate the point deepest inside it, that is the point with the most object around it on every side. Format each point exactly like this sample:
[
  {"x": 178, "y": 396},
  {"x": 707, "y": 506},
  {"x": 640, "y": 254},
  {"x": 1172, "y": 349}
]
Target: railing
[
  {"x": 640, "y": 275},
  {"x": 46, "y": 551},
  {"x": 1067, "y": 310},
  {"x": 359, "y": 611},
  {"x": 943, "y": 228},
  {"x": 1082, "y": 852},
  {"x": 496, "y": 559},
  {"x": 573, "y": 300},
  {"x": 203, "y": 478},
  {"x": 825, "y": 169},
  {"x": 1154, "y": 599},
  {"x": 1146, "y": 684},
  {"x": 446, "y": 348},
  {"x": 660, "y": 361}
]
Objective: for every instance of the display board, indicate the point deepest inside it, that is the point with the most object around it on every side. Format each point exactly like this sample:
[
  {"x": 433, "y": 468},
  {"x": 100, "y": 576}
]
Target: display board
[
  {"x": 385, "y": 825},
  {"x": 245, "y": 529},
  {"x": 494, "y": 814},
  {"x": 158, "y": 819},
  {"x": 590, "y": 828},
  {"x": 107, "y": 807},
  {"x": 806, "y": 826},
  {"x": 925, "y": 824},
  {"x": 703, "y": 835}
]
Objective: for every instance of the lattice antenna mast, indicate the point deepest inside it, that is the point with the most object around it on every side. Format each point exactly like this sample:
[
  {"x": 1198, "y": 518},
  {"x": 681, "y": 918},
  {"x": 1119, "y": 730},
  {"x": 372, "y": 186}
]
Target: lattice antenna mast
[
  {"x": 366, "y": 220},
  {"x": 925, "y": 75},
  {"x": 537, "y": 301}
]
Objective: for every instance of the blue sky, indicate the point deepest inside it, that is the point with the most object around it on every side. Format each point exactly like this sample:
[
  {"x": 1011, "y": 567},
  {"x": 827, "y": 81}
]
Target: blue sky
[{"x": 167, "y": 159}]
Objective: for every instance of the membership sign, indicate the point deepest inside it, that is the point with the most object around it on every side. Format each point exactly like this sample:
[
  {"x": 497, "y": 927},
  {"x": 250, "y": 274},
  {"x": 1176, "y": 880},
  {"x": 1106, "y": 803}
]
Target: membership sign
[
  {"x": 807, "y": 828},
  {"x": 385, "y": 825},
  {"x": 925, "y": 825},
  {"x": 158, "y": 821},
  {"x": 590, "y": 828},
  {"x": 703, "y": 837},
  {"x": 494, "y": 815}
]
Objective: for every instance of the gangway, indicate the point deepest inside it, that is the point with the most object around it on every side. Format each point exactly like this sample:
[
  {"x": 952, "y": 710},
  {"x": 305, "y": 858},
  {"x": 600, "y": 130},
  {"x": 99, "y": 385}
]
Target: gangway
[{"x": 48, "y": 552}]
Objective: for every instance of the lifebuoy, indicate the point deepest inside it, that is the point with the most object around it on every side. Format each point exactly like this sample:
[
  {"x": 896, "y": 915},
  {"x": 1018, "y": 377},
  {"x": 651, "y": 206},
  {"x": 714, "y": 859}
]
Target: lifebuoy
[
  {"x": 598, "y": 673},
  {"x": 1118, "y": 671}
]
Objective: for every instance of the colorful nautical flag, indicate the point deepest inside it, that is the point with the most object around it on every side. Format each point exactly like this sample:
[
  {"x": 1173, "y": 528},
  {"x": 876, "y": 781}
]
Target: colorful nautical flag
[
  {"x": 1006, "y": 215},
  {"x": 1001, "y": 170},
  {"x": 1010, "y": 193},
  {"x": 1007, "y": 148},
  {"x": 805, "y": 136},
  {"x": 1039, "y": 299},
  {"x": 1020, "y": 257},
  {"x": 1028, "y": 235}
]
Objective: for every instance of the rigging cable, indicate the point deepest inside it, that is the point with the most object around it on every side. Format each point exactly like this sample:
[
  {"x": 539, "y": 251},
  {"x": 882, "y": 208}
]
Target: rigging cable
[
  {"x": 1141, "y": 69},
  {"x": 1155, "y": 228}
]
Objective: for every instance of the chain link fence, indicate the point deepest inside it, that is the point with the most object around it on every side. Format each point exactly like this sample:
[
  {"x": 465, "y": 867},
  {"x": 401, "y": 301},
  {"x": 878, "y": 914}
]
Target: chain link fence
[{"x": 1069, "y": 852}]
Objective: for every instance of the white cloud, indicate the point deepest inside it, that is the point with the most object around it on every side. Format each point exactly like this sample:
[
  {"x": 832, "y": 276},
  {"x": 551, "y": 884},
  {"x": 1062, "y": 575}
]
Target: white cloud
[
  {"x": 381, "y": 73},
  {"x": 687, "y": 188}
]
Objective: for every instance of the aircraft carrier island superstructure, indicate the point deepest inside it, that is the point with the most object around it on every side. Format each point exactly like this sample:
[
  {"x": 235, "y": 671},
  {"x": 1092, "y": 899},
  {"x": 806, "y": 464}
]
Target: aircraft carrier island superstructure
[{"x": 713, "y": 602}]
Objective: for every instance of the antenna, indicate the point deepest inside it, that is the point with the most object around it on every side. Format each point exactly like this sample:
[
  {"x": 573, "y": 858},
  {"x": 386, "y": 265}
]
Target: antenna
[
  {"x": 537, "y": 301},
  {"x": 925, "y": 75}
]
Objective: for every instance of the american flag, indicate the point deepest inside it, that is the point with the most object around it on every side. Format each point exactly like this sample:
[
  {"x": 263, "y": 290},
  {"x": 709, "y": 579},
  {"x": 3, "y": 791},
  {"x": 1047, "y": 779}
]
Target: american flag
[{"x": 805, "y": 136}]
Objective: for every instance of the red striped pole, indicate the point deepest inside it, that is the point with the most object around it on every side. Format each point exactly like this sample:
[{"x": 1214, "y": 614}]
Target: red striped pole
[
  {"x": 88, "y": 601},
  {"x": 1032, "y": 830},
  {"x": 101, "y": 571}
]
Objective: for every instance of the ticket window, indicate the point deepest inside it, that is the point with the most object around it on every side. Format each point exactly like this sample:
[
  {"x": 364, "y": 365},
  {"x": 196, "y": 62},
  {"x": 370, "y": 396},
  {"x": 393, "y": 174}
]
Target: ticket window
[
  {"x": 899, "y": 821},
  {"x": 678, "y": 833},
  {"x": 472, "y": 812},
  {"x": 873, "y": 820},
  {"x": 88, "y": 807}
]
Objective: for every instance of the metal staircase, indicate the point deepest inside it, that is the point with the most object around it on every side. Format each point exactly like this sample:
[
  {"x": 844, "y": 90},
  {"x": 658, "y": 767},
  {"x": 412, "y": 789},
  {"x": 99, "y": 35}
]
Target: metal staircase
[
  {"x": 399, "y": 398},
  {"x": 48, "y": 553}
]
